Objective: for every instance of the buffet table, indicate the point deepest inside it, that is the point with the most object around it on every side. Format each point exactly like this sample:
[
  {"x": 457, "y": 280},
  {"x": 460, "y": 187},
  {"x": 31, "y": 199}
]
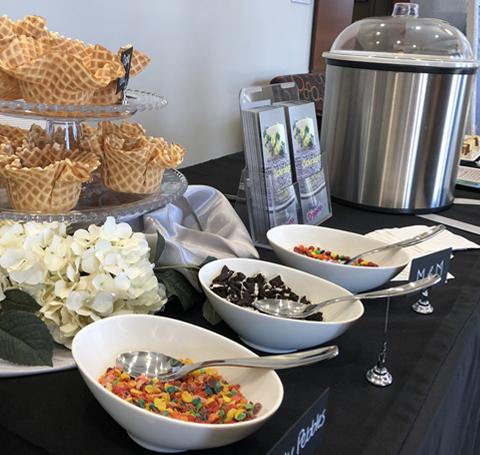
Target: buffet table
[{"x": 432, "y": 407}]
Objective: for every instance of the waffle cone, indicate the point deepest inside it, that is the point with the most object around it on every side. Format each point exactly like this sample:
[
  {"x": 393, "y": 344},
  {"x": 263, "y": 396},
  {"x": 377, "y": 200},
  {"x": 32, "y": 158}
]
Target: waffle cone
[
  {"x": 15, "y": 135},
  {"x": 39, "y": 189},
  {"x": 7, "y": 31},
  {"x": 108, "y": 94},
  {"x": 34, "y": 26},
  {"x": 45, "y": 67},
  {"x": 125, "y": 130},
  {"x": 164, "y": 154},
  {"x": 6, "y": 157},
  {"x": 48, "y": 179},
  {"x": 139, "y": 61},
  {"x": 37, "y": 93},
  {"x": 51, "y": 72},
  {"x": 129, "y": 171},
  {"x": 9, "y": 88}
]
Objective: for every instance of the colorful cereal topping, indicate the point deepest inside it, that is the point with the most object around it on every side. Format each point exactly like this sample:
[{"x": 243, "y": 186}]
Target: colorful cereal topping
[
  {"x": 325, "y": 255},
  {"x": 202, "y": 396}
]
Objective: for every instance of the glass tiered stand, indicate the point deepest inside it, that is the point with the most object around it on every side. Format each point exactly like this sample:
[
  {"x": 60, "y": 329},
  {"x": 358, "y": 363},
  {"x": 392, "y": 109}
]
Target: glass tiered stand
[{"x": 96, "y": 201}]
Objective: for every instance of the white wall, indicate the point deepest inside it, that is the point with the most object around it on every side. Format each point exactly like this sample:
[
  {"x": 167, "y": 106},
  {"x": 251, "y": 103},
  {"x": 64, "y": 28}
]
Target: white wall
[{"x": 203, "y": 52}]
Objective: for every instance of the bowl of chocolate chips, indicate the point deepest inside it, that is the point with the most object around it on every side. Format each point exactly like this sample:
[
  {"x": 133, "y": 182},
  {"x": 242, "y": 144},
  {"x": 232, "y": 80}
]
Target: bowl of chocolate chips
[{"x": 232, "y": 285}]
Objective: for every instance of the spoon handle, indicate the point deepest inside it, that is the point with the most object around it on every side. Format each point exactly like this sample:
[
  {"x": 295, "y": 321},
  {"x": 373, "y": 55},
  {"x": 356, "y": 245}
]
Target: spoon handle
[
  {"x": 402, "y": 243},
  {"x": 395, "y": 291},
  {"x": 275, "y": 362}
]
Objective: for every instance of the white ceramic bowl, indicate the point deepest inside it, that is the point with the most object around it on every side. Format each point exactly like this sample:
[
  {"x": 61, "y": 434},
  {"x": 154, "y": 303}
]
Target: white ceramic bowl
[
  {"x": 96, "y": 346},
  {"x": 354, "y": 278},
  {"x": 274, "y": 334}
]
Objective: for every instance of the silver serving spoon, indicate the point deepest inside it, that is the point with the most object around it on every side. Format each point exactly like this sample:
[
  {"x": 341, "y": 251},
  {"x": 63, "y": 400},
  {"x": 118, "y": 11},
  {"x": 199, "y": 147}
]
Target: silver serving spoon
[
  {"x": 428, "y": 234},
  {"x": 298, "y": 310},
  {"x": 166, "y": 368}
]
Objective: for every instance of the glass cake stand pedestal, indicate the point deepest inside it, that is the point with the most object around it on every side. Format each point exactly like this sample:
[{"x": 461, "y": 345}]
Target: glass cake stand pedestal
[{"x": 96, "y": 201}]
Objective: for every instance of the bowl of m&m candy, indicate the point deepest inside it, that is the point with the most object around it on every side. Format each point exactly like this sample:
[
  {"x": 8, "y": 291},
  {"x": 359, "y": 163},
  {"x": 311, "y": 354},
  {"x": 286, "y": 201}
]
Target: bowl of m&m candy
[
  {"x": 208, "y": 408},
  {"x": 324, "y": 252}
]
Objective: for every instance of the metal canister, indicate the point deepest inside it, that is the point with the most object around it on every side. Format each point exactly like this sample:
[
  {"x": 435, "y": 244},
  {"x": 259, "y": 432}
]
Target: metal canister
[{"x": 396, "y": 102}]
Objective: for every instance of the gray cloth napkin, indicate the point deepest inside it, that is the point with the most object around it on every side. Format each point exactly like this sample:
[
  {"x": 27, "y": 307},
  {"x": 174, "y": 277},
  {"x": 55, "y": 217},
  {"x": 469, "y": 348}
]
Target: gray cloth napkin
[{"x": 200, "y": 224}]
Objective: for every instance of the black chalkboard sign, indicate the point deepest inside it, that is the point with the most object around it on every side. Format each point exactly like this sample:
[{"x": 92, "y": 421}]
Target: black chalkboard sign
[
  {"x": 126, "y": 59},
  {"x": 305, "y": 436},
  {"x": 431, "y": 264}
]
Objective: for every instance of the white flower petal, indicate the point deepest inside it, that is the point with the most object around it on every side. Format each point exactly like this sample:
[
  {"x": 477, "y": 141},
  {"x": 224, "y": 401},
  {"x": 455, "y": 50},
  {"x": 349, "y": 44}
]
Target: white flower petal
[
  {"x": 123, "y": 231},
  {"x": 11, "y": 258},
  {"x": 61, "y": 289},
  {"x": 122, "y": 282},
  {"x": 76, "y": 299},
  {"x": 108, "y": 229},
  {"x": 103, "y": 303},
  {"x": 89, "y": 263},
  {"x": 104, "y": 282},
  {"x": 71, "y": 273}
]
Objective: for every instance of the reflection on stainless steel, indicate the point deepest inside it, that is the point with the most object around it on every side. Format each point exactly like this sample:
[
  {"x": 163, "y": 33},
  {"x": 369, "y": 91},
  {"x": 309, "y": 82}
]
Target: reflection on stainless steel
[
  {"x": 298, "y": 310},
  {"x": 393, "y": 138},
  {"x": 166, "y": 368}
]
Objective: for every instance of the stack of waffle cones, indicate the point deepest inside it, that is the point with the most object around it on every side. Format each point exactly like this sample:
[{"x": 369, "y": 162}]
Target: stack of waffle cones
[
  {"x": 44, "y": 67},
  {"x": 30, "y": 26},
  {"x": 131, "y": 161},
  {"x": 41, "y": 175}
]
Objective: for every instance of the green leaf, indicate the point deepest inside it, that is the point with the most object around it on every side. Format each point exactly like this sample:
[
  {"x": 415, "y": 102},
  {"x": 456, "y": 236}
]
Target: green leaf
[
  {"x": 19, "y": 300},
  {"x": 25, "y": 339},
  {"x": 207, "y": 260},
  {"x": 159, "y": 247},
  {"x": 177, "y": 286}
]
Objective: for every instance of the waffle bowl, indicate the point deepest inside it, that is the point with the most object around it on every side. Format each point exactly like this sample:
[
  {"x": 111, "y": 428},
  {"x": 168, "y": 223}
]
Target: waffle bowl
[
  {"x": 66, "y": 82},
  {"x": 97, "y": 202},
  {"x": 37, "y": 193}
]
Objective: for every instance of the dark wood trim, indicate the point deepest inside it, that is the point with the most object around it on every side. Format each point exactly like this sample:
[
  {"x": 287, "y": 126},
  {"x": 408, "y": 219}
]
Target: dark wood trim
[{"x": 330, "y": 17}]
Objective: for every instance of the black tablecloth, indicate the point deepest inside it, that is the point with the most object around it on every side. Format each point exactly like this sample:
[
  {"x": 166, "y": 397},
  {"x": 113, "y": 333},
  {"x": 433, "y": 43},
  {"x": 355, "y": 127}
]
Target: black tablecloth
[{"x": 432, "y": 407}]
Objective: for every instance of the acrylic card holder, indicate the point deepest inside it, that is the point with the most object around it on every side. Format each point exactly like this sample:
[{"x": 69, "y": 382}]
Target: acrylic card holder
[{"x": 284, "y": 181}]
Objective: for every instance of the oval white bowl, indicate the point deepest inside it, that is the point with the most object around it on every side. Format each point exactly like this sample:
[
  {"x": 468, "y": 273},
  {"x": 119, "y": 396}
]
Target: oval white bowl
[
  {"x": 273, "y": 334},
  {"x": 96, "y": 346},
  {"x": 354, "y": 278}
]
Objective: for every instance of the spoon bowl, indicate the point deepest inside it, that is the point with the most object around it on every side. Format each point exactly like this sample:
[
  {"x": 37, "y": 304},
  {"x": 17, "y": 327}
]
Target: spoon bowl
[
  {"x": 416, "y": 239},
  {"x": 166, "y": 368},
  {"x": 284, "y": 238},
  {"x": 279, "y": 335},
  {"x": 97, "y": 345},
  {"x": 297, "y": 310}
]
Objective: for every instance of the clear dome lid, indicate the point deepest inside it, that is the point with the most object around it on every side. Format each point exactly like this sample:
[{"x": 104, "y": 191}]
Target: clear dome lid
[{"x": 404, "y": 38}]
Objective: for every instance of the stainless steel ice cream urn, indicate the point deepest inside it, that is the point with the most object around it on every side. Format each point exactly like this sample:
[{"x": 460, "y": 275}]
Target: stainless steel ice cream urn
[{"x": 397, "y": 94}]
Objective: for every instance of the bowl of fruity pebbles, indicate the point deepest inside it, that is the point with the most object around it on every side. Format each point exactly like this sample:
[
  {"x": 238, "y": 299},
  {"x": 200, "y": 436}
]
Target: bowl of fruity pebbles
[
  {"x": 208, "y": 408},
  {"x": 324, "y": 252}
]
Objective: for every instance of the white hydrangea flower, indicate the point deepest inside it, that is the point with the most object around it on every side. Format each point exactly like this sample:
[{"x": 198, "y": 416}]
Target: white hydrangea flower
[{"x": 80, "y": 278}]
